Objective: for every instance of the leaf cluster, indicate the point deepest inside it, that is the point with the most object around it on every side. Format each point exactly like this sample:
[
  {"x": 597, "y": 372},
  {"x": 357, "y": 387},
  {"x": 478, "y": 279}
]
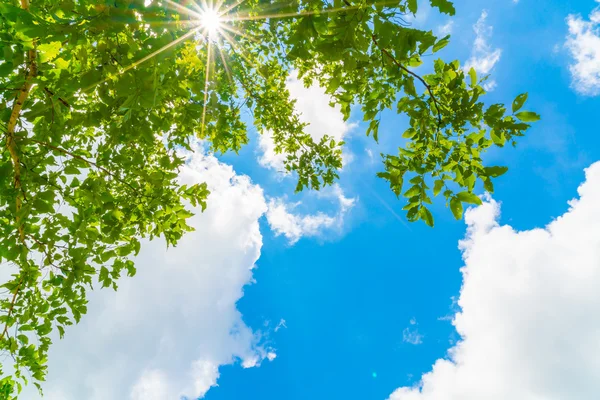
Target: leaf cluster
[{"x": 100, "y": 99}]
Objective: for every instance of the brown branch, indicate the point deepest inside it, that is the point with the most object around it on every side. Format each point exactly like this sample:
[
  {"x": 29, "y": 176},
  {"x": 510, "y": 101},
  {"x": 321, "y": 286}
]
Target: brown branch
[
  {"x": 63, "y": 101},
  {"x": 12, "y": 305},
  {"x": 14, "y": 154},
  {"x": 10, "y": 134},
  {"x": 403, "y": 68},
  {"x": 408, "y": 71}
]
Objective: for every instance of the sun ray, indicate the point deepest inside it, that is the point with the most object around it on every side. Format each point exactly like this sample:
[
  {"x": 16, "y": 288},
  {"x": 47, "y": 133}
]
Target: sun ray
[
  {"x": 218, "y": 6},
  {"x": 149, "y": 56},
  {"x": 234, "y": 5},
  {"x": 165, "y": 47},
  {"x": 238, "y": 32},
  {"x": 237, "y": 49},
  {"x": 183, "y": 9},
  {"x": 186, "y": 23},
  {"x": 204, "y": 5},
  {"x": 206, "y": 80},
  {"x": 192, "y": 4},
  {"x": 222, "y": 54},
  {"x": 221, "y": 24},
  {"x": 265, "y": 9},
  {"x": 300, "y": 14},
  {"x": 287, "y": 15}
]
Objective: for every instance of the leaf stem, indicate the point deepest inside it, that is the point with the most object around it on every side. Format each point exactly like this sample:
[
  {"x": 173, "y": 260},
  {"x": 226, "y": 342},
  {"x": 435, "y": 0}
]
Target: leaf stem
[{"x": 408, "y": 71}]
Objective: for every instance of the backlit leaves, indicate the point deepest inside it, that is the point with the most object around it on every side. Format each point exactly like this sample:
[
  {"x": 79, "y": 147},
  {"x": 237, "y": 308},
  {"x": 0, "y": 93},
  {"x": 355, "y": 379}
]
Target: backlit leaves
[
  {"x": 527, "y": 116},
  {"x": 114, "y": 106}
]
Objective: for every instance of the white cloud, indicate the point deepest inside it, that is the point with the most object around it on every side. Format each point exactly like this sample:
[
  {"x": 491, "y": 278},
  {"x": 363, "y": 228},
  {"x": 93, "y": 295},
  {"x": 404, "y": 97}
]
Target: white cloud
[
  {"x": 483, "y": 56},
  {"x": 166, "y": 331},
  {"x": 529, "y": 309},
  {"x": 583, "y": 42},
  {"x": 293, "y": 226},
  {"x": 445, "y": 29},
  {"x": 370, "y": 155},
  {"x": 269, "y": 158},
  {"x": 411, "y": 334},
  {"x": 280, "y": 325},
  {"x": 313, "y": 107}
]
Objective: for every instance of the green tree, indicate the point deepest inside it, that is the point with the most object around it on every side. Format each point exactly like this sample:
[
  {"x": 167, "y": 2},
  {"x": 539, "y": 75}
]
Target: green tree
[{"x": 99, "y": 96}]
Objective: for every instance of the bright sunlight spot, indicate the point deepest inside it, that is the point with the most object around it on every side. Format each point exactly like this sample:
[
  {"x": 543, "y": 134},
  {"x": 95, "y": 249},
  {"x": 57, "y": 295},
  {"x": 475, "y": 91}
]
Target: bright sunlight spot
[{"x": 211, "y": 21}]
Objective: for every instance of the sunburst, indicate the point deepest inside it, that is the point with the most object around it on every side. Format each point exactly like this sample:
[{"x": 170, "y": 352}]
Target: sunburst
[
  {"x": 213, "y": 24},
  {"x": 211, "y": 21}
]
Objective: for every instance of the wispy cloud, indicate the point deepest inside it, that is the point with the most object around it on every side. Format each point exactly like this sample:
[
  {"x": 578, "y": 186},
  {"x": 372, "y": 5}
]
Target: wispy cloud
[
  {"x": 283, "y": 221},
  {"x": 583, "y": 42},
  {"x": 483, "y": 56},
  {"x": 445, "y": 29},
  {"x": 411, "y": 334}
]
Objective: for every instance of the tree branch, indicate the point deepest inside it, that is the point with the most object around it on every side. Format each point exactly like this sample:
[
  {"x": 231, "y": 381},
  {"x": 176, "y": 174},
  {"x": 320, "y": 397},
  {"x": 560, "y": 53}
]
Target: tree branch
[
  {"x": 12, "y": 305},
  {"x": 403, "y": 68},
  {"x": 408, "y": 71},
  {"x": 63, "y": 101},
  {"x": 89, "y": 162},
  {"x": 14, "y": 154},
  {"x": 10, "y": 134}
]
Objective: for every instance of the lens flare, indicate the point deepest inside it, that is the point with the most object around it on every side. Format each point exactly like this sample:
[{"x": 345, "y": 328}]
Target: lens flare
[{"x": 211, "y": 21}]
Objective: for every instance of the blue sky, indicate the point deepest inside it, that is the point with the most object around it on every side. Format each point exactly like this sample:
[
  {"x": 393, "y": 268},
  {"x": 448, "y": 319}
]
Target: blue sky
[{"x": 349, "y": 301}]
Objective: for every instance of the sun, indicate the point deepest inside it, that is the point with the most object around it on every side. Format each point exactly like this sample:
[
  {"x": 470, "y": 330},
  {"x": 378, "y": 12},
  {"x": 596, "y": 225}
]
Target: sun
[{"x": 211, "y": 21}]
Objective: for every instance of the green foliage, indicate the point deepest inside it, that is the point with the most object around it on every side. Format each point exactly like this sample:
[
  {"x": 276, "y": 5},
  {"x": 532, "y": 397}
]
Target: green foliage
[{"x": 99, "y": 97}]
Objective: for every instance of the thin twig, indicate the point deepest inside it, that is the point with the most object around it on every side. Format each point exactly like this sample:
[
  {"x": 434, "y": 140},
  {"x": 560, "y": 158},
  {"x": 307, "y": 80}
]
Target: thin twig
[
  {"x": 408, "y": 71},
  {"x": 89, "y": 162},
  {"x": 12, "y": 305},
  {"x": 403, "y": 68},
  {"x": 63, "y": 101}
]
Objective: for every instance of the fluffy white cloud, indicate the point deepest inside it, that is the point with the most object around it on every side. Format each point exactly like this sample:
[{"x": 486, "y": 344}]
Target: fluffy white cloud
[
  {"x": 483, "y": 56},
  {"x": 529, "y": 303},
  {"x": 166, "y": 331},
  {"x": 293, "y": 226},
  {"x": 313, "y": 107},
  {"x": 583, "y": 42}
]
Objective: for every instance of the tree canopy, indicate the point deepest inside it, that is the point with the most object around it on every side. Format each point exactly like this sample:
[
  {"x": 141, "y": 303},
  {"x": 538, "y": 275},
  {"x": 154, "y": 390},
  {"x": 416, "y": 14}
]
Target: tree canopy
[{"x": 99, "y": 97}]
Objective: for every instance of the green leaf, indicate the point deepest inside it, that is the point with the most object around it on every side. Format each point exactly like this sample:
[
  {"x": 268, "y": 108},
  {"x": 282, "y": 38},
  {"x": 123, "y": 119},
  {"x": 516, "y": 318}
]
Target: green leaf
[
  {"x": 426, "y": 216},
  {"x": 498, "y": 138},
  {"x": 412, "y": 6},
  {"x": 518, "y": 102},
  {"x": 527, "y": 116},
  {"x": 109, "y": 127},
  {"x": 49, "y": 51},
  {"x": 495, "y": 172},
  {"x": 71, "y": 170},
  {"x": 440, "y": 44},
  {"x": 456, "y": 207},
  {"x": 445, "y": 6},
  {"x": 467, "y": 197},
  {"x": 473, "y": 76},
  {"x": 437, "y": 187},
  {"x": 413, "y": 191},
  {"x": 488, "y": 185}
]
